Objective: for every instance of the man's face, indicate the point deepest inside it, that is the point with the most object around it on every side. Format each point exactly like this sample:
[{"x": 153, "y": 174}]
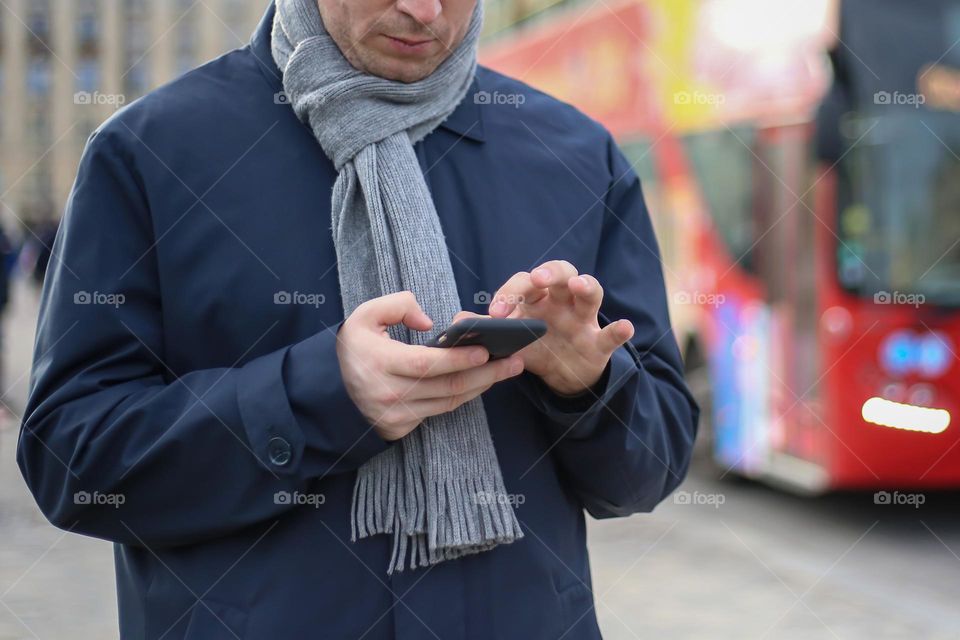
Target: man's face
[{"x": 401, "y": 40}]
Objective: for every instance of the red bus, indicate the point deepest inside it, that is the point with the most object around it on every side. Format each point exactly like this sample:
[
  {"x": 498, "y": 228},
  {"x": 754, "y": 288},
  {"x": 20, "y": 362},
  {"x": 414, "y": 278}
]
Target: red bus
[{"x": 801, "y": 161}]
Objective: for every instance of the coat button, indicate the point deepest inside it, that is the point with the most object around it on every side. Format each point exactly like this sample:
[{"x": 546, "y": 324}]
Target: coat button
[{"x": 279, "y": 450}]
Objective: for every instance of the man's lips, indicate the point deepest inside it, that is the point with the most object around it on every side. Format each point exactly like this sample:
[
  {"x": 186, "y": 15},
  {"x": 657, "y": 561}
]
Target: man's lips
[{"x": 409, "y": 45}]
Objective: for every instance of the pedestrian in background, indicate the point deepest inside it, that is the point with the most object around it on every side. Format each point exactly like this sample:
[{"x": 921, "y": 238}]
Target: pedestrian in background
[
  {"x": 35, "y": 252},
  {"x": 7, "y": 261}
]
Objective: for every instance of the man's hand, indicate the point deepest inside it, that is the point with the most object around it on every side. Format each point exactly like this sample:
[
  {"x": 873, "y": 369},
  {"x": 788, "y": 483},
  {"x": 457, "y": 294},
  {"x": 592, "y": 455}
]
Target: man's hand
[
  {"x": 572, "y": 356},
  {"x": 396, "y": 385}
]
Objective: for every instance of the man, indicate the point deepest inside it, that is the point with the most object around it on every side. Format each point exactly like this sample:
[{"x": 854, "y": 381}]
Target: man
[{"x": 269, "y": 469}]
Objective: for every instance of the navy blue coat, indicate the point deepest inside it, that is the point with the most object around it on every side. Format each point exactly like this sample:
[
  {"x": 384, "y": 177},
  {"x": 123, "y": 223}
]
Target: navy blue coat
[{"x": 178, "y": 407}]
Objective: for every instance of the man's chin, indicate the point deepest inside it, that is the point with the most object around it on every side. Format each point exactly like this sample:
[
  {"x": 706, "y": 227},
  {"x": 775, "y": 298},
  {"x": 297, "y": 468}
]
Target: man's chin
[{"x": 406, "y": 71}]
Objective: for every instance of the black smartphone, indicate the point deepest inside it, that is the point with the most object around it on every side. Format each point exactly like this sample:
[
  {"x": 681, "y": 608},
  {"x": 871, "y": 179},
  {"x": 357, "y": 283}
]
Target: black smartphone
[{"x": 502, "y": 337}]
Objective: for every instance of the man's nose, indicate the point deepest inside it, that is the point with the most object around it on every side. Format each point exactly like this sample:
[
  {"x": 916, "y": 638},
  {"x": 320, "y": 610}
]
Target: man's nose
[{"x": 423, "y": 11}]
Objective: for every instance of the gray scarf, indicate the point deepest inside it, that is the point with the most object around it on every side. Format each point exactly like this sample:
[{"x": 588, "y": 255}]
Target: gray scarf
[{"x": 439, "y": 491}]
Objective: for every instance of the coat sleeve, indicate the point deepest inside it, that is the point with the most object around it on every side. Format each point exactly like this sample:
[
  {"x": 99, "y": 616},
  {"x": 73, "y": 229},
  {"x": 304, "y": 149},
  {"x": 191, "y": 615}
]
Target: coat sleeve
[
  {"x": 112, "y": 444},
  {"x": 625, "y": 444}
]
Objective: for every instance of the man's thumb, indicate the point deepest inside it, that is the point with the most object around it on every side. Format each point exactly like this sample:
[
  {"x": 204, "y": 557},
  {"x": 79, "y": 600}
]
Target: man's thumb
[{"x": 396, "y": 308}]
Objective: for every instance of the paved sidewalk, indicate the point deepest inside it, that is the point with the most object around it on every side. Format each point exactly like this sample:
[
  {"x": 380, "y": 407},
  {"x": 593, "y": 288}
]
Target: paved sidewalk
[{"x": 53, "y": 585}]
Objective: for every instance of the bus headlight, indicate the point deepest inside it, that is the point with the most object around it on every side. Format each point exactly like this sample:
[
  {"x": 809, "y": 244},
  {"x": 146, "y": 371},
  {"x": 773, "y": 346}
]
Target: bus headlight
[{"x": 908, "y": 417}]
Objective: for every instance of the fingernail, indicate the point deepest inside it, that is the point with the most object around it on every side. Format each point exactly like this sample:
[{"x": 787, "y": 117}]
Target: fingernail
[
  {"x": 497, "y": 307},
  {"x": 541, "y": 272},
  {"x": 516, "y": 367},
  {"x": 478, "y": 357},
  {"x": 584, "y": 281}
]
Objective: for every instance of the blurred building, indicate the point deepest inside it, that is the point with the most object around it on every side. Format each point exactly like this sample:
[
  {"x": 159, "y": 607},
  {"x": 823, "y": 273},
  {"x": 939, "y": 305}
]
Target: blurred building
[{"x": 66, "y": 65}]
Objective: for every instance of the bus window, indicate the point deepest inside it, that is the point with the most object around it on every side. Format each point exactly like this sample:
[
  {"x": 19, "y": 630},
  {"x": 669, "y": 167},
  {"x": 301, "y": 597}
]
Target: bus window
[
  {"x": 723, "y": 161},
  {"x": 899, "y": 205}
]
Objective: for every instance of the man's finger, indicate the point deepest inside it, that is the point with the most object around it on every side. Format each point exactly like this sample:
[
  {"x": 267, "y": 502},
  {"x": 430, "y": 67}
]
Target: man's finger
[
  {"x": 463, "y": 315},
  {"x": 462, "y": 382},
  {"x": 519, "y": 289},
  {"x": 436, "y": 406},
  {"x": 587, "y": 296},
  {"x": 555, "y": 275},
  {"x": 417, "y": 361}
]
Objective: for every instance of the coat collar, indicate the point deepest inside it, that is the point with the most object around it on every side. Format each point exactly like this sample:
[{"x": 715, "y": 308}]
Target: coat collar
[{"x": 466, "y": 120}]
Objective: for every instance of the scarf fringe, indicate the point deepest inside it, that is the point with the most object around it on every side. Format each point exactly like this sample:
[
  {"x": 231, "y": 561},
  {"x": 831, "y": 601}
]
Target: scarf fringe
[{"x": 474, "y": 514}]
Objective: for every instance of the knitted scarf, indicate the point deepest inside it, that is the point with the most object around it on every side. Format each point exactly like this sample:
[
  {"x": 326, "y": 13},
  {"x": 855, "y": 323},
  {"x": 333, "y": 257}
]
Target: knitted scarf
[{"x": 439, "y": 491}]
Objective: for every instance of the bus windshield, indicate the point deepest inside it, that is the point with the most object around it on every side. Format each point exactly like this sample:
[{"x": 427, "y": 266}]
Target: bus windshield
[{"x": 899, "y": 223}]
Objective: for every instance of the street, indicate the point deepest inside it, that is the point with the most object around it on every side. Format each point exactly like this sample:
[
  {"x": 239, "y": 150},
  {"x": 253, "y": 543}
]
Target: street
[
  {"x": 767, "y": 565},
  {"x": 720, "y": 559}
]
